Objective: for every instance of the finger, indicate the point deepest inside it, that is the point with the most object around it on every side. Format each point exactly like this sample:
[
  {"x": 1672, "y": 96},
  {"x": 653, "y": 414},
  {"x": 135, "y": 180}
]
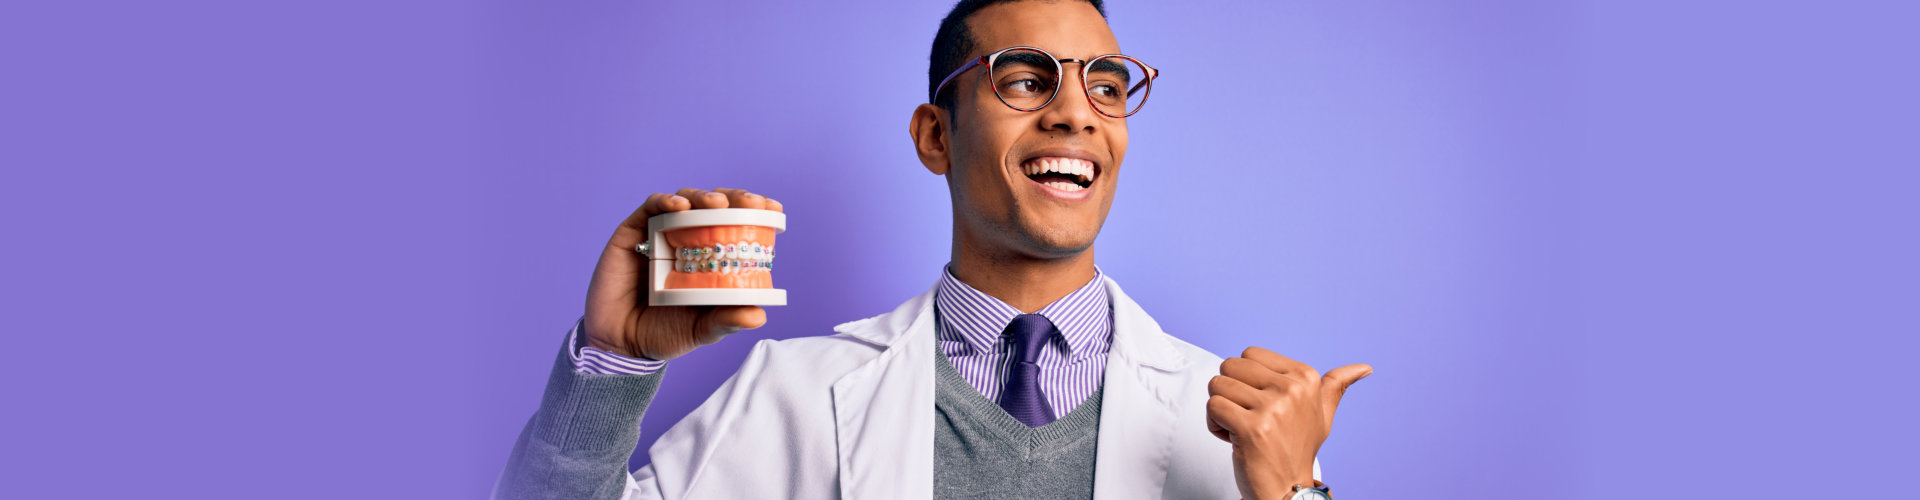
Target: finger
[
  {"x": 1218, "y": 431},
  {"x": 660, "y": 203},
  {"x": 704, "y": 199},
  {"x": 741, "y": 198},
  {"x": 1253, "y": 374},
  {"x": 1223, "y": 417},
  {"x": 775, "y": 205},
  {"x": 1280, "y": 364},
  {"x": 722, "y": 321},
  {"x": 738, "y": 317},
  {"x": 1236, "y": 391},
  {"x": 1335, "y": 384},
  {"x": 633, "y": 229},
  {"x": 620, "y": 256}
]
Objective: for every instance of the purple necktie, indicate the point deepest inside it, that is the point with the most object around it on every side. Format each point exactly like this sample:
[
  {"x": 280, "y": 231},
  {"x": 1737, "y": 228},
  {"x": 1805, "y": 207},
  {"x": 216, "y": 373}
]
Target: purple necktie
[{"x": 1027, "y": 335}]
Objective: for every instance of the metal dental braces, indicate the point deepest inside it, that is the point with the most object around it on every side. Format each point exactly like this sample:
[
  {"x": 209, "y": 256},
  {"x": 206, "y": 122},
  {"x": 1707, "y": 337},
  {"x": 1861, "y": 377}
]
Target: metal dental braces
[{"x": 730, "y": 258}]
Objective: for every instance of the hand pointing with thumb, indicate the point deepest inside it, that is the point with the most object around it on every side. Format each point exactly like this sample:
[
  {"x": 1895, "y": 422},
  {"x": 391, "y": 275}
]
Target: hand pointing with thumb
[{"x": 1276, "y": 412}]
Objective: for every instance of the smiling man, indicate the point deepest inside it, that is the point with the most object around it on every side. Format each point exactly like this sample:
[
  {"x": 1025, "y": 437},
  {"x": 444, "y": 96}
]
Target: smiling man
[{"x": 1023, "y": 373}]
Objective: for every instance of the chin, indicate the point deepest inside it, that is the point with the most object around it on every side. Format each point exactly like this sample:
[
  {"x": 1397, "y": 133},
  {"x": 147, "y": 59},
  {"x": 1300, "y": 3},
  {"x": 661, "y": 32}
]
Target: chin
[{"x": 1059, "y": 242}]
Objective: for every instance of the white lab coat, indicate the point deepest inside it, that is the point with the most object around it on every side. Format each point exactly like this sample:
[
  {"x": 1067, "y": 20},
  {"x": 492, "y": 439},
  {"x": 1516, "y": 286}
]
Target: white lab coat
[{"x": 851, "y": 416}]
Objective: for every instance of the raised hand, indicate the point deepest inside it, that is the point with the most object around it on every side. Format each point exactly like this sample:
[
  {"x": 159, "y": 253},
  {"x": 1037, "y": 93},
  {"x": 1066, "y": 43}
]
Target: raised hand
[
  {"x": 1276, "y": 412},
  {"x": 618, "y": 317}
]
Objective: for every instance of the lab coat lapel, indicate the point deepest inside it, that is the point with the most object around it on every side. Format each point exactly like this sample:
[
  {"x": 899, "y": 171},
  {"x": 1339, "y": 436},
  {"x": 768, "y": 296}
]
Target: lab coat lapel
[
  {"x": 883, "y": 410},
  {"x": 1136, "y": 408}
]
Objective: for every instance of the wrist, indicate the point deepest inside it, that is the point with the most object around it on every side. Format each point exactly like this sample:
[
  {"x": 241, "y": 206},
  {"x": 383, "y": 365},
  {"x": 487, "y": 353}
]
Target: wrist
[
  {"x": 603, "y": 346},
  {"x": 1277, "y": 487},
  {"x": 1287, "y": 489},
  {"x": 589, "y": 340},
  {"x": 1301, "y": 477}
]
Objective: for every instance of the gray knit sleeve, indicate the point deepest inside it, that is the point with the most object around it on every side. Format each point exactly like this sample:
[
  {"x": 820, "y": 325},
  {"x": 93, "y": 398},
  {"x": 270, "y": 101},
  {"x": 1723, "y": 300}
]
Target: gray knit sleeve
[{"x": 577, "y": 444}]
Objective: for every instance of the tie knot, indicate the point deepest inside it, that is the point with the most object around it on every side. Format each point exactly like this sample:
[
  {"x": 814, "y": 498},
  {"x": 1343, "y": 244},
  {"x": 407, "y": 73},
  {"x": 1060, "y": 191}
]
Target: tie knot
[{"x": 1028, "y": 334}]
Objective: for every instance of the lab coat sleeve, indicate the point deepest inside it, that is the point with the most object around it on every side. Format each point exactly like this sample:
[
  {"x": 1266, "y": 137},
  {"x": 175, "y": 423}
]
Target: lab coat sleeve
[
  {"x": 577, "y": 444},
  {"x": 690, "y": 449}
]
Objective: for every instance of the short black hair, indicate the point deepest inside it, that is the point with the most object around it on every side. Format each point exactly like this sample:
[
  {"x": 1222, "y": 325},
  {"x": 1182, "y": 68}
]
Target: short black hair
[{"x": 954, "y": 41}]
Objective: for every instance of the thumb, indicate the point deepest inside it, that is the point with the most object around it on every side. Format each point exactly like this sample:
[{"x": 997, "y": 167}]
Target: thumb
[
  {"x": 1334, "y": 384},
  {"x": 722, "y": 321}
]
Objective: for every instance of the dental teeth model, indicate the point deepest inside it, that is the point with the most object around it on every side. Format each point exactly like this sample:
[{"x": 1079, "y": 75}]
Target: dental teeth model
[{"x": 718, "y": 256}]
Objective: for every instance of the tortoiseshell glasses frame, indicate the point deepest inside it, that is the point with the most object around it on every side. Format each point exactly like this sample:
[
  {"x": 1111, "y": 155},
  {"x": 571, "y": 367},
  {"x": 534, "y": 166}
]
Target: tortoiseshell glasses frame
[{"x": 1142, "y": 89}]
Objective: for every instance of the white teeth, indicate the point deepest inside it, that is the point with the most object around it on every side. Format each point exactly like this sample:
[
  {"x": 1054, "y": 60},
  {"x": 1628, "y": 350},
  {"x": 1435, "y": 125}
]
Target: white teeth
[
  {"x": 1069, "y": 166},
  {"x": 1064, "y": 186},
  {"x": 1082, "y": 171}
]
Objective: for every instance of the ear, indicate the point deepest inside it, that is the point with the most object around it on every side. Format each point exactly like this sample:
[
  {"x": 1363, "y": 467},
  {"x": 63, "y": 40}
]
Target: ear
[{"x": 929, "y": 131}]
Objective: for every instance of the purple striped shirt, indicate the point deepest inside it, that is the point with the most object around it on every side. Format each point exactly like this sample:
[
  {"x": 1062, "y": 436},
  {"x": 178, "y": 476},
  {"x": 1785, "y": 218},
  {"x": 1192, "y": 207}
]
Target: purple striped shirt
[
  {"x": 590, "y": 360},
  {"x": 1071, "y": 368},
  {"x": 969, "y": 333}
]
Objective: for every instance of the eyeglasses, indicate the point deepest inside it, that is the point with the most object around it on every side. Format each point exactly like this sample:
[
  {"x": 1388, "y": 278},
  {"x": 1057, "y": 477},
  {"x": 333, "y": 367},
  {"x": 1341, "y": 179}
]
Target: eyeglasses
[{"x": 1027, "y": 79}]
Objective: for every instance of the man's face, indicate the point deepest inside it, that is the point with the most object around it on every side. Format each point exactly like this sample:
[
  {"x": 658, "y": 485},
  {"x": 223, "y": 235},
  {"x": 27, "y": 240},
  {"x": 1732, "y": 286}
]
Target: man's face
[{"x": 999, "y": 207}]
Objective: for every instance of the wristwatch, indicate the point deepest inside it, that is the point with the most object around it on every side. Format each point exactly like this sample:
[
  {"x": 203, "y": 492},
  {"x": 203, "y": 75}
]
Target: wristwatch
[{"x": 1303, "y": 492}]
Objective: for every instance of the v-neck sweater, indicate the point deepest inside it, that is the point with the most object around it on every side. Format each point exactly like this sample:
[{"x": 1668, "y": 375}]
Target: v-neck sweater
[{"x": 982, "y": 452}]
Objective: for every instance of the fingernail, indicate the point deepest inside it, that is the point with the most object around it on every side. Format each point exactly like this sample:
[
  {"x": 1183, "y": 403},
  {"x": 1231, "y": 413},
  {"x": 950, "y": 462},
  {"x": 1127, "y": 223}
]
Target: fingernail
[{"x": 676, "y": 198}]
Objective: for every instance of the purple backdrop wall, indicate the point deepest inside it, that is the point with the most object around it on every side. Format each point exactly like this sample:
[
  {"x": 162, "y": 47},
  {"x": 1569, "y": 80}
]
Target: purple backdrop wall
[{"x": 327, "y": 250}]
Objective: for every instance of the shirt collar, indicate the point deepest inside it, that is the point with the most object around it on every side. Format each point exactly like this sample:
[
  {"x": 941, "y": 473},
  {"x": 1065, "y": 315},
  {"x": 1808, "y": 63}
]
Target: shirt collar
[{"x": 972, "y": 316}]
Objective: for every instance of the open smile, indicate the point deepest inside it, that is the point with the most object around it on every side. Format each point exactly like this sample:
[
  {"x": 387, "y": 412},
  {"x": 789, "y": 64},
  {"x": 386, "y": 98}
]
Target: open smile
[{"x": 1060, "y": 176}]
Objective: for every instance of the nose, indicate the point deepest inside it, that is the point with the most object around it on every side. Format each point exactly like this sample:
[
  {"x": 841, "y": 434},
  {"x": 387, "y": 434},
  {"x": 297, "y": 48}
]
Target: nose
[{"x": 1070, "y": 110}]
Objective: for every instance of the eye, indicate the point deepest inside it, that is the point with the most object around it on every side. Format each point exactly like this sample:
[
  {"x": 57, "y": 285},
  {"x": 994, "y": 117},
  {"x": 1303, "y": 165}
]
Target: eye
[
  {"x": 1024, "y": 85},
  {"x": 1104, "y": 91}
]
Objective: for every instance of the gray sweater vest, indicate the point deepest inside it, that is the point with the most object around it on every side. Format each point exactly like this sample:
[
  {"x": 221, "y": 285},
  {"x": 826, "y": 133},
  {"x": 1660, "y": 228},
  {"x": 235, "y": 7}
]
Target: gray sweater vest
[{"x": 982, "y": 452}]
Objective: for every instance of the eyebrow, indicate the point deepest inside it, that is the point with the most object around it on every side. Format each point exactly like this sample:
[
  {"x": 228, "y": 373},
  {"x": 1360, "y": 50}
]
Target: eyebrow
[
  {"x": 1022, "y": 57},
  {"x": 1108, "y": 65}
]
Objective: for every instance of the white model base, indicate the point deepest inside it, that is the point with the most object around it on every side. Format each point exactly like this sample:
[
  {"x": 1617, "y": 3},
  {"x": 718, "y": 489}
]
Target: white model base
[{"x": 718, "y": 297}]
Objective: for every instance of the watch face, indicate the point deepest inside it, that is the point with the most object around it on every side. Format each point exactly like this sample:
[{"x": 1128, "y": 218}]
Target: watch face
[{"x": 1310, "y": 494}]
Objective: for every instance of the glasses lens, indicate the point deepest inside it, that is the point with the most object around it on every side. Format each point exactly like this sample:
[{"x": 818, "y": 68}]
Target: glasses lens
[
  {"x": 1117, "y": 85},
  {"x": 1025, "y": 79}
]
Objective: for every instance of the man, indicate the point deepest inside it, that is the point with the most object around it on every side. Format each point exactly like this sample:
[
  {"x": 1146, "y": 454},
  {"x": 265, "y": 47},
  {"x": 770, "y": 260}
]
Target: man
[{"x": 1024, "y": 373}]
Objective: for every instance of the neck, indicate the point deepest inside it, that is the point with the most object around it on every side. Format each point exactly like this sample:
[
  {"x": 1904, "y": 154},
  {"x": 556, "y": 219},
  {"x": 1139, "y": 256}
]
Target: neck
[{"x": 1026, "y": 283}]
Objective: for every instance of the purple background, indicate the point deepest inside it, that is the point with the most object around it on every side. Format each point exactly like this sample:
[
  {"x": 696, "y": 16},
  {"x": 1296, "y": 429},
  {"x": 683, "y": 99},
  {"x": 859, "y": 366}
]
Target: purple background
[{"x": 328, "y": 250}]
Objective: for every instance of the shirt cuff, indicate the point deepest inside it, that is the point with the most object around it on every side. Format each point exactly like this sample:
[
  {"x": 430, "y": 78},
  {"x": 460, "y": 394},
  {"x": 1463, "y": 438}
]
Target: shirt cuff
[{"x": 591, "y": 361}]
